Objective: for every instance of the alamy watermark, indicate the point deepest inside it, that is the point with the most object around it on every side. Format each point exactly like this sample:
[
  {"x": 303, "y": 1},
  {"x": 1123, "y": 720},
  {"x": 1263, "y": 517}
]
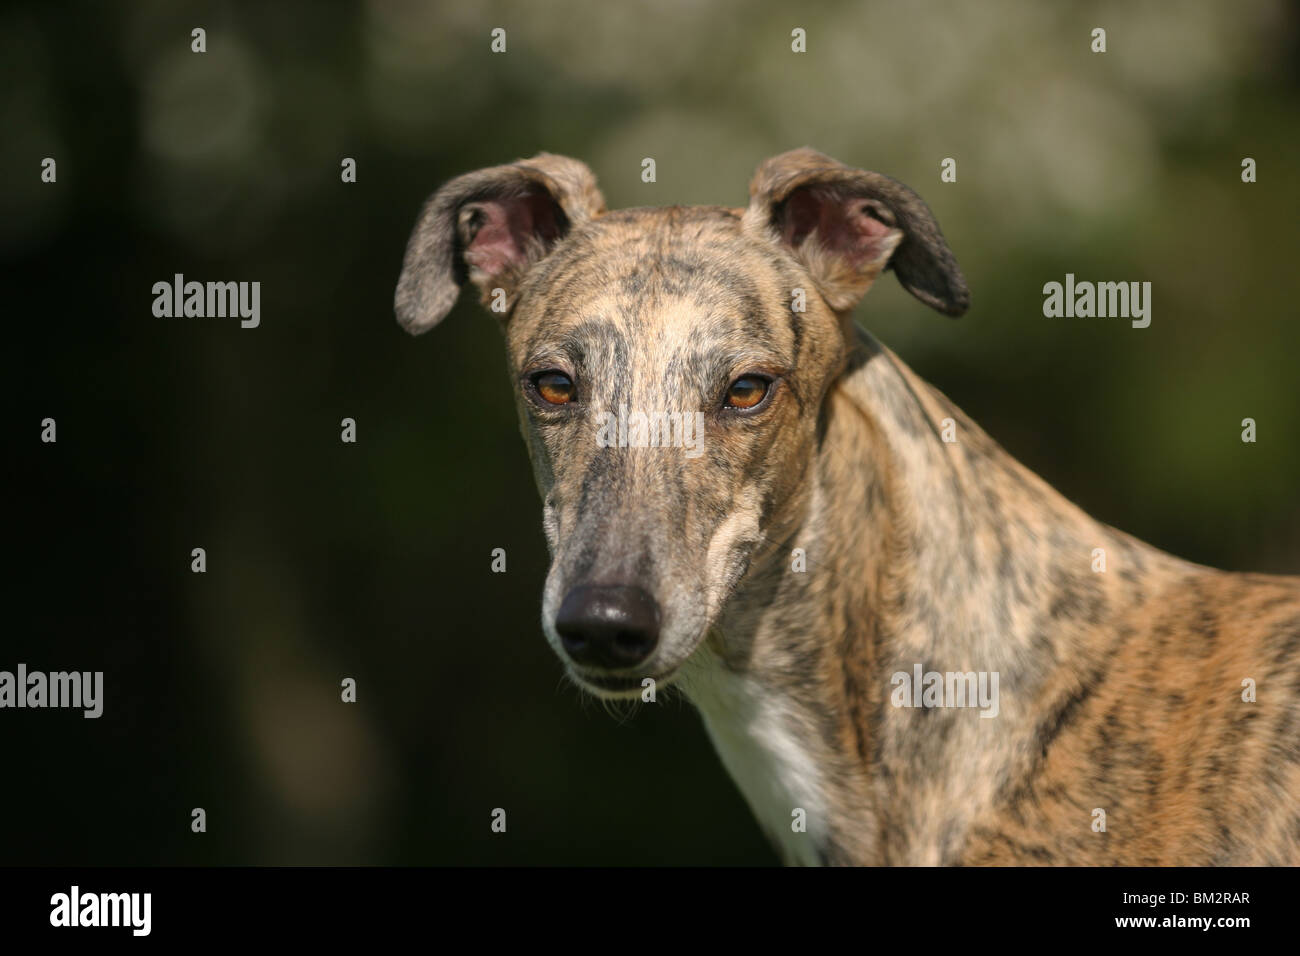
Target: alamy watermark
[
  {"x": 210, "y": 300},
  {"x": 77, "y": 690},
  {"x": 76, "y": 909},
  {"x": 948, "y": 689},
  {"x": 636, "y": 429},
  {"x": 1084, "y": 300}
]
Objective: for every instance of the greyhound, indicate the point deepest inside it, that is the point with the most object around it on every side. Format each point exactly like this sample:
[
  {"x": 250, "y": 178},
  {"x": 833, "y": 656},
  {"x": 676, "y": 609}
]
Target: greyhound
[{"x": 844, "y": 535}]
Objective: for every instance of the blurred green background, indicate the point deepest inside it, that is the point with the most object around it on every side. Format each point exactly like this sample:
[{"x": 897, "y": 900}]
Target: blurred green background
[{"x": 371, "y": 561}]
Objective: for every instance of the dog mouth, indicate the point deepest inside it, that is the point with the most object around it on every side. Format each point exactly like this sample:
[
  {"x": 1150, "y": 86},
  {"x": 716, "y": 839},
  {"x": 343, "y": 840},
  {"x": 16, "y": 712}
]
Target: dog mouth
[{"x": 619, "y": 686}]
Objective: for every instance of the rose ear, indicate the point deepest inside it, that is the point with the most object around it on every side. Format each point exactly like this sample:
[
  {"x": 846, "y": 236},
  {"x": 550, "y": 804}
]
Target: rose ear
[
  {"x": 847, "y": 225},
  {"x": 489, "y": 227}
]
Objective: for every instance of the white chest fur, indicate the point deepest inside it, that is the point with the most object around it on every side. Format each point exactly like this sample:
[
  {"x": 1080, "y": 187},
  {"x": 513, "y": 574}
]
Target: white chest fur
[{"x": 757, "y": 735}]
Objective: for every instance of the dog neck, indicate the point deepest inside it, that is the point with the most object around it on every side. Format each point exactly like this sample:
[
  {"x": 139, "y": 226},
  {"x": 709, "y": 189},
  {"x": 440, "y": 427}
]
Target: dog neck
[{"x": 928, "y": 550}]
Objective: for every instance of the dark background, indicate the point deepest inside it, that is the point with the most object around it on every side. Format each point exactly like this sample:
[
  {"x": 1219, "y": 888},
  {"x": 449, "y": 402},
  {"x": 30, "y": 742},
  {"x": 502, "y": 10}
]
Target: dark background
[{"x": 371, "y": 560}]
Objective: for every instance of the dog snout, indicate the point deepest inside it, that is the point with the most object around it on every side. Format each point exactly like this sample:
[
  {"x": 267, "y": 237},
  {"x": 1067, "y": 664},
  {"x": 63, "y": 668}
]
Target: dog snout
[{"x": 608, "y": 626}]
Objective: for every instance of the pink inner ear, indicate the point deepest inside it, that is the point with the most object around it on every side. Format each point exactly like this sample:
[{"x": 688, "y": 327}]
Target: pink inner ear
[
  {"x": 844, "y": 224},
  {"x": 505, "y": 227}
]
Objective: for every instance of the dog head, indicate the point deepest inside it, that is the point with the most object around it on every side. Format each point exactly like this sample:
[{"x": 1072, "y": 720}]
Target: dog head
[{"x": 670, "y": 368}]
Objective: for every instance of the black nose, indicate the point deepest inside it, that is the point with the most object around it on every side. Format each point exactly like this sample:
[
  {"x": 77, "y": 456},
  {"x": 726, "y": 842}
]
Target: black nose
[{"x": 608, "y": 626}]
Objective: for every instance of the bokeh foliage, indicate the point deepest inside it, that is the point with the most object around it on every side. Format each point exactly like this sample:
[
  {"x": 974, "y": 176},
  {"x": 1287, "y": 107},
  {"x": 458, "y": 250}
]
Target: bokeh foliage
[{"x": 371, "y": 561}]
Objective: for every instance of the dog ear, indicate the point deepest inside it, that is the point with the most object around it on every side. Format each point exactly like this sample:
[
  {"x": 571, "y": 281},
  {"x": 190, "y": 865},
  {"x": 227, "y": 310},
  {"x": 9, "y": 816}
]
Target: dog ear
[
  {"x": 490, "y": 227},
  {"x": 847, "y": 225}
]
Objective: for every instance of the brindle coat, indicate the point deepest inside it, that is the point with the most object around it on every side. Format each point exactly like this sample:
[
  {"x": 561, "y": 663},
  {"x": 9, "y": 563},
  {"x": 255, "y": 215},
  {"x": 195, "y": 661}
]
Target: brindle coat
[{"x": 1120, "y": 690}]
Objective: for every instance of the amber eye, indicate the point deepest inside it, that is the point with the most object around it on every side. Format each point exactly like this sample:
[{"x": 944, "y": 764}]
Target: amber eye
[
  {"x": 556, "y": 388},
  {"x": 747, "y": 391}
]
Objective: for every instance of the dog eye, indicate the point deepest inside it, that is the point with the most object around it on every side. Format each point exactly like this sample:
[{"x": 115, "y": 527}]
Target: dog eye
[
  {"x": 747, "y": 391},
  {"x": 555, "y": 388}
]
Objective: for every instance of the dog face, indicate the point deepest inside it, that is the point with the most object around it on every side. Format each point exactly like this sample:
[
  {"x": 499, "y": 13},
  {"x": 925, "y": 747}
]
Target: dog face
[{"x": 671, "y": 367}]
